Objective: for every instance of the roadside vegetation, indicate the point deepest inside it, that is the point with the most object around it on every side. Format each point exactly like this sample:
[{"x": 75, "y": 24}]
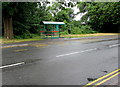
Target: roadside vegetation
[
  {"x": 37, "y": 38},
  {"x": 19, "y": 40},
  {"x": 87, "y": 35},
  {"x": 22, "y": 20}
]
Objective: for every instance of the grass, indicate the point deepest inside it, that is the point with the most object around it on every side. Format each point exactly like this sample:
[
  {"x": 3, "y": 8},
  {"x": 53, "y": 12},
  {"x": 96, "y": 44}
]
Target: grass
[
  {"x": 2, "y": 41},
  {"x": 87, "y": 35}
]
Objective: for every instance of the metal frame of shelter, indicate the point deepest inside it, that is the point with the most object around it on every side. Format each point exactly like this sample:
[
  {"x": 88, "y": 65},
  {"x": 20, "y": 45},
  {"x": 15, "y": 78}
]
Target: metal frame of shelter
[{"x": 51, "y": 29}]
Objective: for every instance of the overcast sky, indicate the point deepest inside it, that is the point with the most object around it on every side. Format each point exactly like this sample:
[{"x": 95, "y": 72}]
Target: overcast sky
[{"x": 77, "y": 17}]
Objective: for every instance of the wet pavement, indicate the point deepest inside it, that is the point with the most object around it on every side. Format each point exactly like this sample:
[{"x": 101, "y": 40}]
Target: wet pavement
[{"x": 61, "y": 61}]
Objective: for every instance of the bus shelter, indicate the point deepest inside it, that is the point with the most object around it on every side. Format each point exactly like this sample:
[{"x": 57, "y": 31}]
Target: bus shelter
[{"x": 50, "y": 29}]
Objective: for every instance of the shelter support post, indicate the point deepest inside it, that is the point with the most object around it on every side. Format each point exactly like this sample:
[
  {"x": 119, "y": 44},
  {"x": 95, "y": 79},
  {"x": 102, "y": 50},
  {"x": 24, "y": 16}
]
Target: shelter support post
[{"x": 57, "y": 29}]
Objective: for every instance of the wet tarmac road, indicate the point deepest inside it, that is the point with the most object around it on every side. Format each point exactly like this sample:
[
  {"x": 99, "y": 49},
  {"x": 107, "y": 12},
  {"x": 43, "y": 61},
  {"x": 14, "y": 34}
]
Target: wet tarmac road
[{"x": 69, "y": 62}]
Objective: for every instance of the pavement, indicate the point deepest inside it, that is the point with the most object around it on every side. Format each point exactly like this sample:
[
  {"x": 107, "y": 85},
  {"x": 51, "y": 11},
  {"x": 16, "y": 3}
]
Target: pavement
[{"x": 64, "y": 61}]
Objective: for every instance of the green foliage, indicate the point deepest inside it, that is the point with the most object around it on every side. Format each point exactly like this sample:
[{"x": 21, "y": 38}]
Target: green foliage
[
  {"x": 27, "y": 16},
  {"x": 104, "y": 16},
  {"x": 84, "y": 29},
  {"x": 62, "y": 11},
  {"x": 22, "y": 13},
  {"x": 64, "y": 32},
  {"x": 8, "y": 8},
  {"x": 26, "y": 36},
  {"x": 17, "y": 37}
]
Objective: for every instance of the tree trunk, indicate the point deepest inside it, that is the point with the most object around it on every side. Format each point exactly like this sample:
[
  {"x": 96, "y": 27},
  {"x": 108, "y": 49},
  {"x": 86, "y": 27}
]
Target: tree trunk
[{"x": 8, "y": 27}]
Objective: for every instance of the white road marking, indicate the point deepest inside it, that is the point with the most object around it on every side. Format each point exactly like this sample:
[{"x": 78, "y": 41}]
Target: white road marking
[
  {"x": 16, "y": 64},
  {"x": 114, "y": 45},
  {"x": 77, "y": 52}
]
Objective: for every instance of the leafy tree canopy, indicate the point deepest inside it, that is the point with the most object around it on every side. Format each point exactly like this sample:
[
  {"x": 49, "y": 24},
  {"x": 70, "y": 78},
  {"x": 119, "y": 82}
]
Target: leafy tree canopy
[{"x": 104, "y": 16}]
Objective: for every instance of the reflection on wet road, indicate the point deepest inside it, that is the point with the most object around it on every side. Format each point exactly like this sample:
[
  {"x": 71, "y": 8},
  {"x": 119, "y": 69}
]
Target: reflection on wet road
[{"x": 69, "y": 62}]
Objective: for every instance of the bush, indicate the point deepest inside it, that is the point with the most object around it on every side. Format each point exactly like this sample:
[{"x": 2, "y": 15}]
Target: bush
[
  {"x": 1, "y": 37},
  {"x": 64, "y": 33},
  {"x": 81, "y": 29},
  {"x": 26, "y": 36},
  {"x": 17, "y": 37},
  {"x": 34, "y": 35},
  {"x": 84, "y": 29}
]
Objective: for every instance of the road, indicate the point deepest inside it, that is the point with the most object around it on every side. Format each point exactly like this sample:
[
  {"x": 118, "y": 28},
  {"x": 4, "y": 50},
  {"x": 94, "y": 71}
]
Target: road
[{"x": 64, "y": 62}]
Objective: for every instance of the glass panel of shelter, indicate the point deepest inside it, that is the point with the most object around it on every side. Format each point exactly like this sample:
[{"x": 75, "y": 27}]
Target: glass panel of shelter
[{"x": 50, "y": 31}]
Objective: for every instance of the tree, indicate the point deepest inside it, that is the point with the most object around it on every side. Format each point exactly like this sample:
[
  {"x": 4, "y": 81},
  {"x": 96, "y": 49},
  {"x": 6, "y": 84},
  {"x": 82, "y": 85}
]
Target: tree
[
  {"x": 64, "y": 15},
  {"x": 104, "y": 16},
  {"x": 41, "y": 14},
  {"x": 16, "y": 17},
  {"x": 62, "y": 11},
  {"x": 8, "y": 11},
  {"x": 23, "y": 19}
]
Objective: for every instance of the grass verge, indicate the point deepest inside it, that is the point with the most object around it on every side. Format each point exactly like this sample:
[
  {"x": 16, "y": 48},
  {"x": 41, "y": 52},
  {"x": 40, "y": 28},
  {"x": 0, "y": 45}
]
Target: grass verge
[
  {"x": 3, "y": 41},
  {"x": 88, "y": 35}
]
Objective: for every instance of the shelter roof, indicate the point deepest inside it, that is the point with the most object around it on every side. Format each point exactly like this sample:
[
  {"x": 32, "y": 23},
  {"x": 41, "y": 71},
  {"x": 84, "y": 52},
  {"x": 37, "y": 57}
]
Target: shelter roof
[{"x": 53, "y": 23}]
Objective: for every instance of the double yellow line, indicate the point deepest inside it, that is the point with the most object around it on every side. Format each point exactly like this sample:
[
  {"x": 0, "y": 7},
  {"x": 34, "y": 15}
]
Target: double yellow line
[{"x": 104, "y": 78}]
